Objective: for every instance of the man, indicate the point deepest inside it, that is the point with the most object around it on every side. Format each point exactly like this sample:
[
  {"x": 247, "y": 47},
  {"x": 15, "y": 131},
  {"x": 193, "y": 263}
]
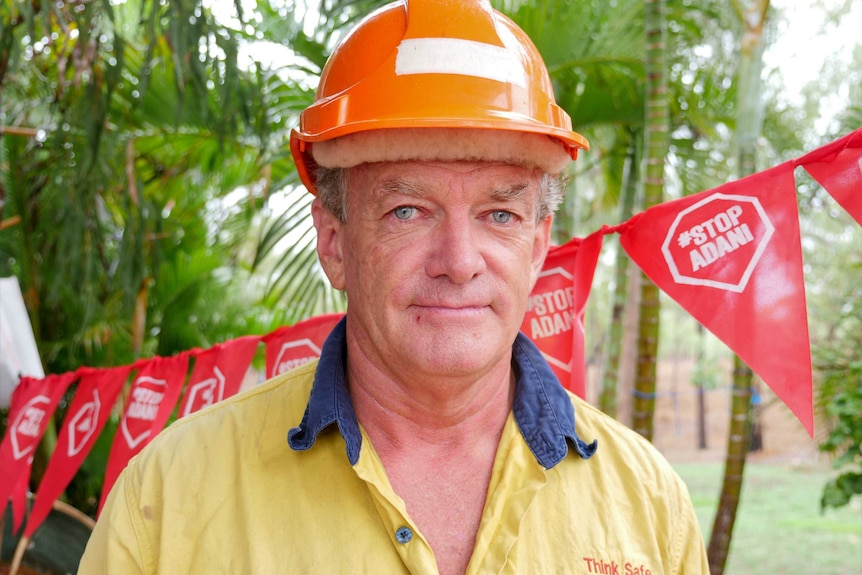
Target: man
[{"x": 431, "y": 437}]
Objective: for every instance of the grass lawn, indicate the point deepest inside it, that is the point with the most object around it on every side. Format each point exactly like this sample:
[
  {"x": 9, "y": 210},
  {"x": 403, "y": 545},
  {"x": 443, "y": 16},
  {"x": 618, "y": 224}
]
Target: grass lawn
[{"x": 779, "y": 529}]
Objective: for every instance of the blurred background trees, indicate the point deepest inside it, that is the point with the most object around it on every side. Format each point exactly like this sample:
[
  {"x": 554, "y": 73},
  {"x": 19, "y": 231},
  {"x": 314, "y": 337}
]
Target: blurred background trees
[{"x": 148, "y": 202}]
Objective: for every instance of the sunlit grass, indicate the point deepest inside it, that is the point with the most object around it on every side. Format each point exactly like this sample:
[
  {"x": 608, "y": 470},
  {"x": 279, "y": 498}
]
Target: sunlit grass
[{"x": 779, "y": 527}]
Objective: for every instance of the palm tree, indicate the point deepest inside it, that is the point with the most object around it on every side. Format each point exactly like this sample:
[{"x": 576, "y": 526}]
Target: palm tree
[
  {"x": 118, "y": 134},
  {"x": 656, "y": 147},
  {"x": 129, "y": 145},
  {"x": 612, "y": 358},
  {"x": 748, "y": 127}
]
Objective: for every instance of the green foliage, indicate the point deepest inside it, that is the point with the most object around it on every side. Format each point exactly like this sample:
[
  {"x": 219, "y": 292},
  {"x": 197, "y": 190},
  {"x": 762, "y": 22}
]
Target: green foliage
[
  {"x": 118, "y": 133},
  {"x": 125, "y": 128},
  {"x": 706, "y": 374},
  {"x": 833, "y": 265},
  {"x": 840, "y": 368},
  {"x": 839, "y": 491}
]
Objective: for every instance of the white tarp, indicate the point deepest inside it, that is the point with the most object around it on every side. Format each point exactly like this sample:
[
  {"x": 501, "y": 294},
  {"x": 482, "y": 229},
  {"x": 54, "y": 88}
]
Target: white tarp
[{"x": 18, "y": 352}]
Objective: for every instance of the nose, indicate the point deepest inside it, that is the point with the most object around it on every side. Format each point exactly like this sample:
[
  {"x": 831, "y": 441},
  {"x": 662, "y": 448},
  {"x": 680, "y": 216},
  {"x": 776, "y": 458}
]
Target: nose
[{"x": 456, "y": 250}]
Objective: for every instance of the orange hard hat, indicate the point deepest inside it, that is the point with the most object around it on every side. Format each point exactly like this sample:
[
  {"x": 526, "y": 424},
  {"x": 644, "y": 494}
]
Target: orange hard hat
[{"x": 420, "y": 64}]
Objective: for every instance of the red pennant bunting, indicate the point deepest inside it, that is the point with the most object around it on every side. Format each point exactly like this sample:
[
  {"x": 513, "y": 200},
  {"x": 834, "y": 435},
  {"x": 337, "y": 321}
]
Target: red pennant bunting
[
  {"x": 732, "y": 258},
  {"x": 555, "y": 311},
  {"x": 94, "y": 397},
  {"x": 154, "y": 394},
  {"x": 550, "y": 318},
  {"x": 218, "y": 373},
  {"x": 33, "y": 403},
  {"x": 19, "y": 501},
  {"x": 838, "y": 168},
  {"x": 290, "y": 347}
]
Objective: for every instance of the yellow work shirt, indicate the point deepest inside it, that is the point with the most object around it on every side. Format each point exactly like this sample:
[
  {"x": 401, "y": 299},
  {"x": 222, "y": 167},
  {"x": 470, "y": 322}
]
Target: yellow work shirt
[{"x": 224, "y": 491}]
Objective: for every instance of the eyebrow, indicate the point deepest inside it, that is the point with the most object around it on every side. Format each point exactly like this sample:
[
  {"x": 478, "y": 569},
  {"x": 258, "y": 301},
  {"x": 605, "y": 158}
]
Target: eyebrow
[
  {"x": 400, "y": 186},
  {"x": 511, "y": 193}
]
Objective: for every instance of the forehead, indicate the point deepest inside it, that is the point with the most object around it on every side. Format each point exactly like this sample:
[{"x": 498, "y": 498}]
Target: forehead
[{"x": 428, "y": 178}]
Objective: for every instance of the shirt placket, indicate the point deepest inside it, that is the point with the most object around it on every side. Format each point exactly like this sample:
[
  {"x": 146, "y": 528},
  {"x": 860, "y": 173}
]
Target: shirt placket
[
  {"x": 408, "y": 542},
  {"x": 516, "y": 480}
]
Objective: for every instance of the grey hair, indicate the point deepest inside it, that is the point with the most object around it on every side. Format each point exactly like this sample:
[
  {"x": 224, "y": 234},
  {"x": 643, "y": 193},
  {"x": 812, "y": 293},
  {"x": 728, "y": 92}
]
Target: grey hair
[
  {"x": 331, "y": 186},
  {"x": 550, "y": 196},
  {"x": 332, "y": 190}
]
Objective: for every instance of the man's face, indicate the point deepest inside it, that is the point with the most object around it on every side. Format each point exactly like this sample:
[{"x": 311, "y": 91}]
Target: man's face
[{"x": 437, "y": 260}]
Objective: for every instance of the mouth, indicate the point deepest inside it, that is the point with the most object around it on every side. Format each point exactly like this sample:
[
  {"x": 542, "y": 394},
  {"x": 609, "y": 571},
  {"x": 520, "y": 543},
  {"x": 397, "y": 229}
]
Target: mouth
[{"x": 450, "y": 310}]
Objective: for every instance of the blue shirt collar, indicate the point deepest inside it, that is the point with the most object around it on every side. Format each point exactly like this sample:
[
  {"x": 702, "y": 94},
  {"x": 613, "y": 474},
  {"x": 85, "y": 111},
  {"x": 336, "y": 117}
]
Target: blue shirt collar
[{"x": 542, "y": 409}]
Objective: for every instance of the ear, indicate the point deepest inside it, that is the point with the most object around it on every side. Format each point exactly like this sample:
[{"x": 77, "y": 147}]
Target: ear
[
  {"x": 541, "y": 244},
  {"x": 329, "y": 243}
]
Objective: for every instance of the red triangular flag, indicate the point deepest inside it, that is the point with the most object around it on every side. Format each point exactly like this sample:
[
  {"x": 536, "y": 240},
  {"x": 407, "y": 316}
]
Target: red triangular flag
[
  {"x": 732, "y": 258},
  {"x": 19, "y": 501},
  {"x": 86, "y": 417},
  {"x": 218, "y": 373},
  {"x": 32, "y": 404},
  {"x": 291, "y": 346},
  {"x": 838, "y": 168},
  {"x": 152, "y": 398},
  {"x": 555, "y": 310}
]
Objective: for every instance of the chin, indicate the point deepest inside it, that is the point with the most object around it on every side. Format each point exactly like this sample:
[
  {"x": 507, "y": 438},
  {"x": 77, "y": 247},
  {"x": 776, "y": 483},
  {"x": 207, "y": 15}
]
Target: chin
[{"x": 458, "y": 357}]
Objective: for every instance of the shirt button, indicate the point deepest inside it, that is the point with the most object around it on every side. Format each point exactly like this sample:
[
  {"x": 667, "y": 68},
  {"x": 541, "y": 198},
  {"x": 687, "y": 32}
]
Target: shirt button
[{"x": 403, "y": 534}]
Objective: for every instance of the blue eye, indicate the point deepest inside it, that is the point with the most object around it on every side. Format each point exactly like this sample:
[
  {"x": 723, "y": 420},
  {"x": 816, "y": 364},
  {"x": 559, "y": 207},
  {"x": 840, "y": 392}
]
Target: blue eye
[
  {"x": 501, "y": 217},
  {"x": 403, "y": 212}
]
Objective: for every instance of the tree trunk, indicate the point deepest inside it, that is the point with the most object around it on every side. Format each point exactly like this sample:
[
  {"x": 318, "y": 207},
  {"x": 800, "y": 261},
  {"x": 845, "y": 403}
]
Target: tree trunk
[
  {"x": 608, "y": 398},
  {"x": 755, "y": 433},
  {"x": 657, "y": 122},
  {"x": 139, "y": 316},
  {"x": 701, "y": 417},
  {"x": 701, "y": 392},
  {"x": 734, "y": 465},
  {"x": 749, "y": 121}
]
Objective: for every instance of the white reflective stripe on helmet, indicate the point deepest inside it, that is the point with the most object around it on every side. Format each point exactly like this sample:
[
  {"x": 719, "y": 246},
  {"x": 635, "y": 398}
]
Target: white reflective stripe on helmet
[{"x": 460, "y": 57}]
